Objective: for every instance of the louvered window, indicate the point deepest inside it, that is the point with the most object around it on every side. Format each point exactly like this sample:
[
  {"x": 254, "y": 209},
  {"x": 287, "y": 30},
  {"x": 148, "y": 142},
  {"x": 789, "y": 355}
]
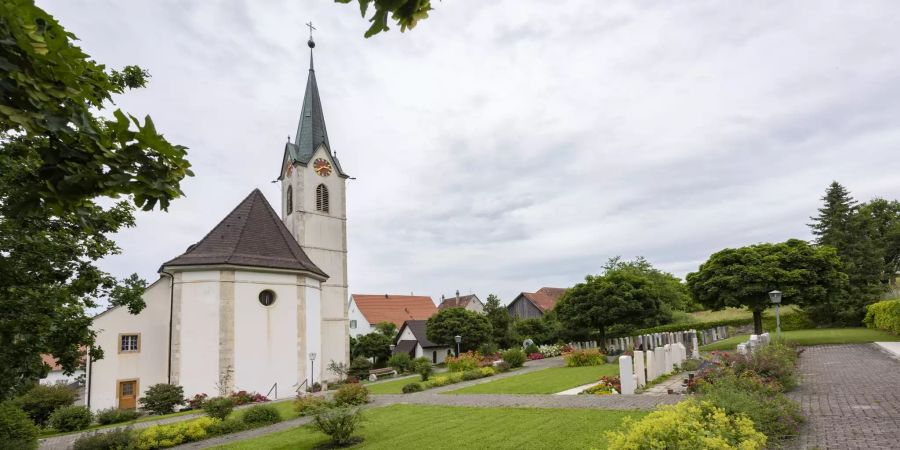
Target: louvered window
[
  {"x": 322, "y": 198},
  {"x": 289, "y": 202}
]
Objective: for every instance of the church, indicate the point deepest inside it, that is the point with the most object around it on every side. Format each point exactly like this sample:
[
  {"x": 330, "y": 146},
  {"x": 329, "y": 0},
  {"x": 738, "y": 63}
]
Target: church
[{"x": 258, "y": 304}]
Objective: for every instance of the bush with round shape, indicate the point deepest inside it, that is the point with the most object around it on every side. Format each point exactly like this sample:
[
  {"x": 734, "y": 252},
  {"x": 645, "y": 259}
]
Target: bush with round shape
[
  {"x": 115, "y": 415},
  {"x": 487, "y": 371},
  {"x": 261, "y": 415},
  {"x": 117, "y": 439},
  {"x": 172, "y": 434},
  {"x": 218, "y": 407},
  {"x": 227, "y": 426},
  {"x": 532, "y": 348},
  {"x": 71, "y": 418},
  {"x": 583, "y": 358},
  {"x": 470, "y": 375},
  {"x": 339, "y": 423},
  {"x": 162, "y": 398},
  {"x": 41, "y": 400},
  {"x": 305, "y": 404},
  {"x": 514, "y": 357},
  {"x": 884, "y": 315},
  {"x": 503, "y": 366},
  {"x": 16, "y": 428},
  {"x": 401, "y": 362},
  {"x": 423, "y": 367},
  {"x": 439, "y": 381},
  {"x": 360, "y": 367},
  {"x": 412, "y": 387},
  {"x": 351, "y": 394},
  {"x": 688, "y": 425}
]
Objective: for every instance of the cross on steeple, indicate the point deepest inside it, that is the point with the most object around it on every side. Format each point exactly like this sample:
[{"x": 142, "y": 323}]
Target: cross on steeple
[{"x": 311, "y": 28}]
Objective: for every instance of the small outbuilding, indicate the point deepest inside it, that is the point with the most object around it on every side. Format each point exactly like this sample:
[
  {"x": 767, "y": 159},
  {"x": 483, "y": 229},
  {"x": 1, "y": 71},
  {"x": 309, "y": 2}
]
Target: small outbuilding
[{"x": 411, "y": 340}]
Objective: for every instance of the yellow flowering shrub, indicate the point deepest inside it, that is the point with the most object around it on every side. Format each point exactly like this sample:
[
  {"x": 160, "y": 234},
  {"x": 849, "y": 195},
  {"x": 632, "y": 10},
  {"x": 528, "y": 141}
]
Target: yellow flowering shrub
[
  {"x": 687, "y": 425},
  {"x": 487, "y": 371},
  {"x": 170, "y": 435},
  {"x": 439, "y": 381},
  {"x": 454, "y": 377}
]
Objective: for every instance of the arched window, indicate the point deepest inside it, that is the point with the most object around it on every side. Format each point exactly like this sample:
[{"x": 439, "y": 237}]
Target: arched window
[
  {"x": 289, "y": 202},
  {"x": 322, "y": 198}
]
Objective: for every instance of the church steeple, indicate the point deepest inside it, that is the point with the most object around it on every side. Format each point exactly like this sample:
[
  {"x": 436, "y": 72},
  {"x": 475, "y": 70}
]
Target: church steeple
[{"x": 311, "y": 132}]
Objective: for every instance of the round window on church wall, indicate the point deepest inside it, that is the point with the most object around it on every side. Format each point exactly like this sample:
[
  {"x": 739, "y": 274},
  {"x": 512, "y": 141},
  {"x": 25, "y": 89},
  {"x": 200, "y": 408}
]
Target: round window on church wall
[{"x": 266, "y": 297}]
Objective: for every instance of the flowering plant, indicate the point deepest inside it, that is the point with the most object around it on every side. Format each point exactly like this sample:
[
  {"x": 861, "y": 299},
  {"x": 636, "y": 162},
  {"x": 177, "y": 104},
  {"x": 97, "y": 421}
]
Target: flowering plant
[
  {"x": 243, "y": 397},
  {"x": 534, "y": 356},
  {"x": 550, "y": 351}
]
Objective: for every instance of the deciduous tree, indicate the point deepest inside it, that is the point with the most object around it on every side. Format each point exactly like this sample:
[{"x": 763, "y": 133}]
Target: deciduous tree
[{"x": 474, "y": 328}]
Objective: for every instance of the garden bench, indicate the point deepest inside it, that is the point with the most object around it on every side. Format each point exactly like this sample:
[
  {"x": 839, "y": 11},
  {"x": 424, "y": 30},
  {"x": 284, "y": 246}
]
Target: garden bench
[{"x": 375, "y": 373}]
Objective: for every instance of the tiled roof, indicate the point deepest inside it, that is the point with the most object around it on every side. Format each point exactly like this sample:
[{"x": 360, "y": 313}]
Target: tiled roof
[
  {"x": 545, "y": 298},
  {"x": 418, "y": 328},
  {"x": 51, "y": 361},
  {"x": 250, "y": 235},
  {"x": 458, "y": 302},
  {"x": 394, "y": 308}
]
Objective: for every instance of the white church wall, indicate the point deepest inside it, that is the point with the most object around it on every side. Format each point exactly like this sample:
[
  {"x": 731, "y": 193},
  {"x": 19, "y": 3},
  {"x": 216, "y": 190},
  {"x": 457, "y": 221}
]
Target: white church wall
[
  {"x": 150, "y": 365},
  {"x": 199, "y": 332},
  {"x": 314, "y": 332},
  {"x": 265, "y": 337}
]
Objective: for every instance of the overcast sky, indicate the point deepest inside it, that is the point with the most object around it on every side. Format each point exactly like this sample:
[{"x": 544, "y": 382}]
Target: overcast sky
[{"x": 507, "y": 145}]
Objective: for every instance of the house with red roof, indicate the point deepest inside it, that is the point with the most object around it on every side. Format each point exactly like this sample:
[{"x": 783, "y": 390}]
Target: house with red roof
[
  {"x": 532, "y": 305},
  {"x": 366, "y": 311}
]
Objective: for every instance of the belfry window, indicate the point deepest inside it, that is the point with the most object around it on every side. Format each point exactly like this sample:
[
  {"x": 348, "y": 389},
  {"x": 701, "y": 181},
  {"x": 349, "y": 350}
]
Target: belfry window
[
  {"x": 289, "y": 200},
  {"x": 322, "y": 198}
]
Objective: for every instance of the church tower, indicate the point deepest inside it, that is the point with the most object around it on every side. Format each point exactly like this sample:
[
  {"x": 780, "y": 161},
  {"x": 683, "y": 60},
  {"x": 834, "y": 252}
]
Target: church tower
[{"x": 313, "y": 207}]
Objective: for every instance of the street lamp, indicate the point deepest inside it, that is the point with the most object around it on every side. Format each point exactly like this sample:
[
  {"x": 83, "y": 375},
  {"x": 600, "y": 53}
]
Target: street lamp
[
  {"x": 458, "y": 339},
  {"x": 312, "y": 375},
  {"x": 775, "y": 297},
  {"x": 392, "y": 348}
]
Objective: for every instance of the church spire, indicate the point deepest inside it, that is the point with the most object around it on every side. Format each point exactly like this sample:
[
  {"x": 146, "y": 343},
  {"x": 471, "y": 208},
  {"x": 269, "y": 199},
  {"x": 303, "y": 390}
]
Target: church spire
[{"x": 311, "y": 132}]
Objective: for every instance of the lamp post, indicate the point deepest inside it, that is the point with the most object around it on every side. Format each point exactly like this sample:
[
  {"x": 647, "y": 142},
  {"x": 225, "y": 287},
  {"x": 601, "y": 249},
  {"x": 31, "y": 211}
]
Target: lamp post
[
  {"x": 312, "y": 374},
  {"x": 392, "y": 348},
  {"x": 775, "y": 297},
  {"x": 458, "y": 339}
]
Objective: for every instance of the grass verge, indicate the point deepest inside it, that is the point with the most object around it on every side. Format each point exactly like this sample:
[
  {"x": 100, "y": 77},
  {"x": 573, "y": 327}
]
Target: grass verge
[
  {"x": 818, "y": 336},
  {"x": 545, "y": 381},
  {"x": 434, "y": 427}
]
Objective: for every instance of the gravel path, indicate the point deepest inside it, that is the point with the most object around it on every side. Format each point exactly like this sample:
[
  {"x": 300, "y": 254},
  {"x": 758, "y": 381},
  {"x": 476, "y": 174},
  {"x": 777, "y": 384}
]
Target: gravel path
[{"x": 850, "y": 395}]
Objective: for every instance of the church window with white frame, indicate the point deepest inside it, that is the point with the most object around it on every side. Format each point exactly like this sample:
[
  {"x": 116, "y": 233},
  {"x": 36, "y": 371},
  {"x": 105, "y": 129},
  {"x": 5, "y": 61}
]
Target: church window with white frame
[
  {"x": 322, "y": 198},
  {"x": 129, "y": 343}
]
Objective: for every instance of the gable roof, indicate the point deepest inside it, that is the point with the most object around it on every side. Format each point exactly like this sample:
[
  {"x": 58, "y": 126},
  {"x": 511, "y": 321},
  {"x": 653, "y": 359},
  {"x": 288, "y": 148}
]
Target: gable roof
[
  {"x": 417, "y": 327},
  {"x": 394, "y": 308},
  {"x": 250, "y": 235},
  {"x": 458, "y": 302},
  {"x": 545, "y": 298}
]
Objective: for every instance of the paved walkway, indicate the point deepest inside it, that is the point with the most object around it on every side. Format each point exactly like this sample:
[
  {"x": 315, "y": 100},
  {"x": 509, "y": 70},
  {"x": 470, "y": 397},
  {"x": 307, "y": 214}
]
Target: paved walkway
[{"x": 850, "y": 395}]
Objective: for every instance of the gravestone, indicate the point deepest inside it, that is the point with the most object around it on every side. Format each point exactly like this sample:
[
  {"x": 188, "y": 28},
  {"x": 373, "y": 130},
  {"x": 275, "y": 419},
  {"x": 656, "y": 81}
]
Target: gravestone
[
  {"x": 662, "y": 358},
  {"x": 651, "y": 366},
  {"x": 639, "y": 368},
  {"x": 742, "y": 349},
  {"x": 626, "y": 375},
  {"x": 695, "y": 347}
]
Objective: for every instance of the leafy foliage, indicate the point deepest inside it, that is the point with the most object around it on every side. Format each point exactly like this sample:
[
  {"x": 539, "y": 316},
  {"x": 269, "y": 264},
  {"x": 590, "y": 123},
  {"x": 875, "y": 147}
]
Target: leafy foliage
[
  {"x": 58, "y": 156},
  {"x": 115, "y": 415},
  {"x": 360, "y": 367},
  {"x": 170, "y": 435},
  {"x": 306, "y": 404},
  {"x": 772, "y": 412},
  {"x": 501, "y": 333},
  {"x": 341, "y": 369},
  {"x": 807, "y": 275},
  {"x": 71, "y": 418},
  {"x": 407, "y": 13},
  {"x": 689, "y": 424},
  {"x": 41, "y": 400},
  {"x": 351, "y": 394},
  {"x": 162, "y": 398},
  {"x": 401, "y": 362},
  {"x": 261, "y": 415},
  {"x": 620, "y": 297},
  {"x": 514, "y": 357},
  {"x": 423, "y": 367},
  {"x": 465, "y": 361},
  {"x": 668, "y": 288},
  {"x": 474, "y": 328},
  {"x": 374, "y": 345},
  {"x": 339, "y": 422},
  {"x": 582, "y": 358},
  {"x": 117, "y": 439},
  {"x": 16, "y": 429},
  {"x": 884, "y": 315},
  {"x": 412, "y": 387},
  {"x": 218, "y": 407}
]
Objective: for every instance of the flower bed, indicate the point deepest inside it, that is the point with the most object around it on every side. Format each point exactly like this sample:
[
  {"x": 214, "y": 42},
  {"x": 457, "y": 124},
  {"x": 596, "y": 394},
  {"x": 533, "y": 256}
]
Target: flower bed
[
  {"x": 581, "y": 358},
  {"x": 607, "y": 385},
  {"x": 450, "y": 378},
  {"x": 549, "y": 351},
  {"x": 534, "y": 356}
]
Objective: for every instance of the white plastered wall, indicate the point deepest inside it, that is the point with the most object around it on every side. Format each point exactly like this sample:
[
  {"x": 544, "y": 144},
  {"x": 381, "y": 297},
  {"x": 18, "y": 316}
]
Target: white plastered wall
[
  {"x": 150, "y": 365},
  {"x": 362, "y": 325},
  {"x": 199, "y": 332}
]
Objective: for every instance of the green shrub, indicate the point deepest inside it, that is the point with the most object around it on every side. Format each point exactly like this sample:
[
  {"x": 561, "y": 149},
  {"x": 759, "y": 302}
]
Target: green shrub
[
  {"x": 401, "y": 362},
  {"x": 305, "y": 405},
  {"x": 170, "y": 435},
  {"x": 514, "y": 357},
  {"x": 115, "y": 415},
  {"x": 16, "y": 429},
  {"x": 884, "y": 315},
  {"x": 261, "y": 415},
  {"x": 582, "y": 358},
  {"x": 40, "y": 401},
  {"x": 465, "y": 361},
  {"x": 772, "y": 412},
  {"x": 503, "y": 366},
  {"x": 690, "y": 365},
  {"x": 532, "y": 348},
  {"x": 473, "y": 374},
  {"x": 218, "y": 407},
  {"x": 338, "y": 422},
  {"x": 439, "y": 381},
  {"x": 162, "y": 398},
  {"x": 487, "y": 371},
  {"x": 412, "y": 387},
  {"x": 488, "y": 348},
  {"x": 117, "y": 439},
  {"x": 774, "y": 362},
  {"x": 687, "y": 425},
  {"x": 71, "y": 418},
  {"x": 423, "y": 367},
  {"x": 360, "y": 367},
  {"x": 351, "y": 394},
  {"x": 227, "y": 426}
]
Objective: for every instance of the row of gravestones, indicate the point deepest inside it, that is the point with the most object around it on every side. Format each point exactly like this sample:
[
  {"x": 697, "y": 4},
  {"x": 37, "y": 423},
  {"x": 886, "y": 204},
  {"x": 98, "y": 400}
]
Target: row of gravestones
[
  {"x": 649, "y": 365},
  {"x": 754, "y": 343},
  {"x": 689, "y": 338},
  {"x": 583, "y": 345}
]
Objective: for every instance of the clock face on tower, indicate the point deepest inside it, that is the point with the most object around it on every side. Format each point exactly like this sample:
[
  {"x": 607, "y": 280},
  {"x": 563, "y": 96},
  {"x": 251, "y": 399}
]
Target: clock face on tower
[{"x": 322, "y": 167}]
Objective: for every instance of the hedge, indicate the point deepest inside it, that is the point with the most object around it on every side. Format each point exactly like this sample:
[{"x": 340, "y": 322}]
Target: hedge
[
  {"x": 884, "y": 315},
  {"x": 789, "y": 322}
]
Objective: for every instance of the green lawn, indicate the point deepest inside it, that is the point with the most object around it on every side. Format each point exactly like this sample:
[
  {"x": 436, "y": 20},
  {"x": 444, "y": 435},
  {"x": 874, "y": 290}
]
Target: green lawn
[
  {"x": 546, "y": 381},
  {"x": 819, "y": 336},
  {"x": 735, "y": 313},
  {"x": 391, "y": 387},
  {"x": 433, "y": 427}
]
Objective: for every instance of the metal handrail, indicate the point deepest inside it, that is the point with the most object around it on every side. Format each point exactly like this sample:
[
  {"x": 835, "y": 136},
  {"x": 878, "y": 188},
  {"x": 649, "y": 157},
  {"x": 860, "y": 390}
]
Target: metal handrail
[
  {"x": 300, "y": 387},
  {"x": 275, "y": 388}
]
